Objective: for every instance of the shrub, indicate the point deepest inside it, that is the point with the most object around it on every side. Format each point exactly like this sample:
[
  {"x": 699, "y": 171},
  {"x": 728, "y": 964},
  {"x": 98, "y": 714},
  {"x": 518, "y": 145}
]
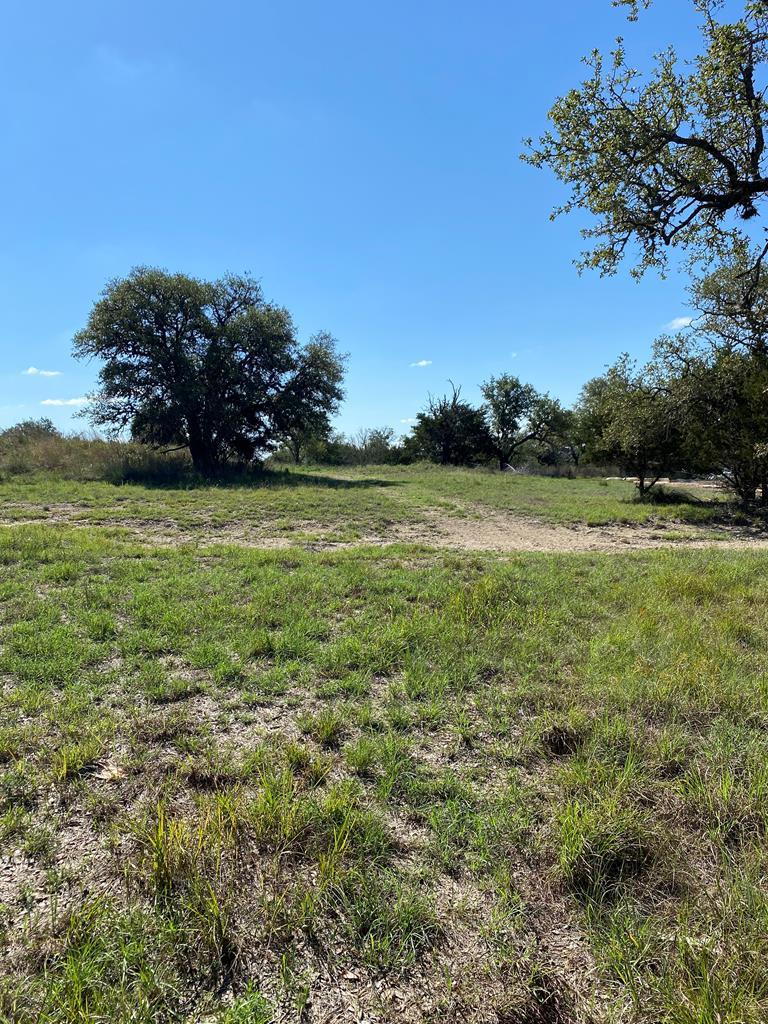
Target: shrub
[{"x": 30, "y": 448}]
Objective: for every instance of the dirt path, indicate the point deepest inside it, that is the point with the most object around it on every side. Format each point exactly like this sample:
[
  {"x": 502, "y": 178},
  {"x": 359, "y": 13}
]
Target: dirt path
[
  {"x": 503, "y": 532},
  {"x": 489, "y": 531}
]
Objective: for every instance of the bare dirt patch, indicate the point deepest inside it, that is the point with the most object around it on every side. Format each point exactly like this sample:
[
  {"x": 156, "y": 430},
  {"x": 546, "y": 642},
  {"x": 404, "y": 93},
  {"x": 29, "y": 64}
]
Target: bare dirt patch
[
  {"x": 487, "y": 530},
  {"x": 502, "y": 532}
]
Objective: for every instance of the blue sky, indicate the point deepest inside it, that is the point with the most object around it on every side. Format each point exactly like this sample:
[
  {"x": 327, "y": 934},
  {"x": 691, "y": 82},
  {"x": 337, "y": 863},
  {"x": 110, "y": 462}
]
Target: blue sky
[{"x": 362, "y": 160}]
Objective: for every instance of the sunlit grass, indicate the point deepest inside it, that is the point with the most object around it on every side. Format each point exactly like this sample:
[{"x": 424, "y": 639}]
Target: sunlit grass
[
  {"x": 350, "y": 503},
  {"x": 228, "y": 775}
]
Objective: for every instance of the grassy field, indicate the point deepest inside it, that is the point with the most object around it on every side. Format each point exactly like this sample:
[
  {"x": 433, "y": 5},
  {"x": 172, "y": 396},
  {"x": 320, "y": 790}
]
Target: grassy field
[
  {"x": 351, "y": 503},
  {"x": 380, "y": 784}
]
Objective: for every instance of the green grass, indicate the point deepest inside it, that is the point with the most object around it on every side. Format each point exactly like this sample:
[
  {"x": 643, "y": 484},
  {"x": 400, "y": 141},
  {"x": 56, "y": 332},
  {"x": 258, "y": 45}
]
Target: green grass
[
  {"x": 239, "y": 784},
  {"x": 348, "y": 503}
]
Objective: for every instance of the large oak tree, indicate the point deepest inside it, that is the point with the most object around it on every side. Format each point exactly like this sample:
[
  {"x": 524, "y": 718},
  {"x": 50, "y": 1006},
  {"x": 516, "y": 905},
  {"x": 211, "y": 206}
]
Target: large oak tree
[{"x": 205, "y": 364}]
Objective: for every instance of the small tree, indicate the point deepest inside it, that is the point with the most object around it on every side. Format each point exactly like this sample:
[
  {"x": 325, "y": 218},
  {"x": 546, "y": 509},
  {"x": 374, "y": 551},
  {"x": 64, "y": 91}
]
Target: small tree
[
  {"x": 207, "y": 365},
  {"x": 326, "y": 449},
  {"x": 29, "y": 430},
  {"x": 517, "y": 414},
  {"x": 723, "y": 397},
  {"x": 302, "y": 439},
  {"x": 568, "y": 433},
  {"x": 373, "y": 446},
  {"x": 636, "y": 423},
  {"x": 592, "y": 410},
  {"x": 30, "y": 445},
  {"x": 451, "y": 431}
]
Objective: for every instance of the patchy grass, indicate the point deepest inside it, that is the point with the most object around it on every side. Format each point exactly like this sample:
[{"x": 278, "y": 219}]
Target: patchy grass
[
  {"x": 262, "y": 785},
  {"x": 347, "y": 504}
]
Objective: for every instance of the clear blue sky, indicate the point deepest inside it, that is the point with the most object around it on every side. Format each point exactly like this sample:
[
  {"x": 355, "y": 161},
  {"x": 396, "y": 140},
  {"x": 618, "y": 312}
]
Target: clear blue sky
[{"x": 361, "y": 159}]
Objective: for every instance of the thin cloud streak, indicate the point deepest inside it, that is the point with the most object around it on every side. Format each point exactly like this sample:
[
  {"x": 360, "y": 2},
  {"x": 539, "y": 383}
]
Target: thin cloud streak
[
  {"x": 679, "y": 323},
  {"x": 32, "y": 371},
  {"x": 65, "y": 401},
  {"x": 423, "y": 362}
]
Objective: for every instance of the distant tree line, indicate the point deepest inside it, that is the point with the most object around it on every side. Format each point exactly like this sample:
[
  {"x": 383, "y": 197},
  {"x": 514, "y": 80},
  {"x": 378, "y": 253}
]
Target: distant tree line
[
  {"x": 515, "y": 425},
  {"x": 675, "y": 159},
  {"x": 700, "y": 406},
  {"x": 211, "y": 369}
]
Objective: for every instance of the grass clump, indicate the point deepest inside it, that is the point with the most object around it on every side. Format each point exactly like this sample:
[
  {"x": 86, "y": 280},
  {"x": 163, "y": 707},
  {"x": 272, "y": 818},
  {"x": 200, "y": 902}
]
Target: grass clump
[
  {"x": 250, "y": 1008},
  {"x": 603, "y": 845},
  {"x": 327, "y": 727},
  {"x": 199, "y": 868},
  {"x": 390, "y": 919},
  {"x": 77, "y": 758},
  {"x": 109, "y": 965}
]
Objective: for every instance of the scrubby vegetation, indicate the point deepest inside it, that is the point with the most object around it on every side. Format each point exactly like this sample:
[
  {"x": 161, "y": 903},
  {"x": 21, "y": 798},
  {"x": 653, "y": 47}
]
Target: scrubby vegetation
[
  {"x": 258, "y": 785},
  {"x": 36, "y": 447}
]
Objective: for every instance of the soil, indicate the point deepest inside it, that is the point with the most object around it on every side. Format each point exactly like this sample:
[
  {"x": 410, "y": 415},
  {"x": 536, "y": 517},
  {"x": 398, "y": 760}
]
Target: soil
[
  {"x": 504, "y": 532},
  {"x": 487, "y": 531}
]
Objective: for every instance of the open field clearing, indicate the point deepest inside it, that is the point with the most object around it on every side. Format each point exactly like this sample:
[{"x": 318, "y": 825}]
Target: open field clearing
[
  {"x": 376, "y": 784},
  {"x": 384, "y": 634},
  {"x": 452, "y": 508}
]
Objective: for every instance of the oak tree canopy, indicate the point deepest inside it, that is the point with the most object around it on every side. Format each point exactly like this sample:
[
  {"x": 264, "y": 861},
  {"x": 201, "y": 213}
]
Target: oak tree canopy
[{"x": 670, "y": 159}]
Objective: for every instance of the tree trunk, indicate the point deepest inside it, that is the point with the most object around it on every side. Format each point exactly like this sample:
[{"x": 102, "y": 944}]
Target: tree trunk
[
  {"x": 203, "y": 458},
  {"x": 745, "y": 485},
  {"x": 764, "y": 488}
]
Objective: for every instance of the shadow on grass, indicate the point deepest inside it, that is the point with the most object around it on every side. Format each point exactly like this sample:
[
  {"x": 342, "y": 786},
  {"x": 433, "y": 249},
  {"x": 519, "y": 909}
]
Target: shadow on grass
[
  {"x": 719, "y": 512},
  {"x": 254, "y": 479},
  {"x": 661, "y": 495}
]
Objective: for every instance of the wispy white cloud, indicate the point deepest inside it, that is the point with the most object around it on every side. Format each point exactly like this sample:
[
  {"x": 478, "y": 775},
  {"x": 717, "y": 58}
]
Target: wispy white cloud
[
  {"x": 513, "y": 355},
  {"x": 64, "y": 401},
  {"x": 32, "y": 371},
  {"x": 409, "y": 419},
  {"x": 679, "y": 323},
  {"x": 423, "y": 362}
]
